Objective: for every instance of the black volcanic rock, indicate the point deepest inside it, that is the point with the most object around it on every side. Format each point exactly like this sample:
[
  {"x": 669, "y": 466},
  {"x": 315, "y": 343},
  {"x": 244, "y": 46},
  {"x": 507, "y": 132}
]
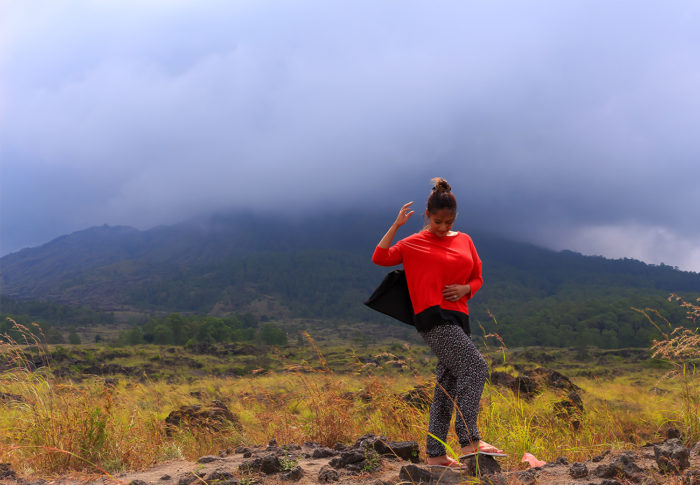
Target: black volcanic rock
[
  {"x": 323, "y": 452},
  {"x": 327, "y": 475},
  {"x": 672, "y": 456},
  {"x": 578, "y": 470},
  {"x": 414, "y": 474}
]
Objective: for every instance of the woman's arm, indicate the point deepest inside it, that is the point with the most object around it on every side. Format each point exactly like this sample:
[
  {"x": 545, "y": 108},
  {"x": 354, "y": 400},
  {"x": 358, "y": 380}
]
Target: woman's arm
[
  {"x": 404, "y": 215},
  {"x": 475, "y": 279},
  {"x": 383, "y": 255},
  {"x": 455, "y": 292}
]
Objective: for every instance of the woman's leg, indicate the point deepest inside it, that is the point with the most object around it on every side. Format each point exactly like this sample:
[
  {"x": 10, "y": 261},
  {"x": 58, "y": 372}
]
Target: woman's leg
[
  {"x": 461, "y": 359},
  {"x": 440, "y": 410}
]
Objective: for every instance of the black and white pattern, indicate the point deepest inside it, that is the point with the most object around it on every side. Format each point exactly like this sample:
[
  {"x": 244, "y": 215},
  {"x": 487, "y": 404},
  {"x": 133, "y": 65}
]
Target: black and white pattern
[{"x": 461, "y": 371}]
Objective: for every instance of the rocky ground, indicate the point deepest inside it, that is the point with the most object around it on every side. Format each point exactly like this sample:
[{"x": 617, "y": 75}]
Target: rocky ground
[{"x": 375, "y": 460}]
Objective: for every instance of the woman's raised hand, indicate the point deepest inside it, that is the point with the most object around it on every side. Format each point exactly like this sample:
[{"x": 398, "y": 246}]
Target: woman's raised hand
[{"x": 404, "y": 214}]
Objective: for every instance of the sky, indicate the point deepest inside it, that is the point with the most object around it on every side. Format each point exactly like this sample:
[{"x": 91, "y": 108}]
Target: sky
[{"x": 572, "y": 125}]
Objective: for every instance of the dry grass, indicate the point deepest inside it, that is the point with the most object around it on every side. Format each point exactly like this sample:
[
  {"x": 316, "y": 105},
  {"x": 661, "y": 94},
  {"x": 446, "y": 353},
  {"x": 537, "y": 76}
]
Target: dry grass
[
  {"x": 680, "y": 347},
  {"x": 58, "y": 426}
]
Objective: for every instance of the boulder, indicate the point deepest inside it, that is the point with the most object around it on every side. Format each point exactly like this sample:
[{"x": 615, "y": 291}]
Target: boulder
[
  {"x": 368, "y": 441},
  {"x": 6, "y": 471},
  {"x": 207, "y": 459},
  {"x": 293, "y": 475},
  {"x": 621, "y": 467},
  {"x": 524, "y": 386},
  {"x": 503, "y": 379},
  {"x": 671, "y": 456},
  {"x": 498, "y": 479},
  {"x": 600, "y": 457},
  {"x": 347, "y": 458},
  {"x": 215, "y": 417},
  {"x": 481, "y": 465},
  {"x": 533, "y": 381},
  {"x": 551, "y": 379},
  {"x": 405, "y": 450},
  {"x": 571, "y": 406},
  {"x": 327, "y": 474},
  {"x": 251, "y": 465},
  {"x": 578, "y": 470},
  {"x": 189, "y": 478},
  {"x": 270, "y": 464},
  {"x": 570, "y": 409},
  {"x": 323, "y": 452},
  {"x": 420, "y": 397},
  {"x": 219, "y": 476},
  {"x": 527, "y": 477},
  {"x": 414, "y": 474},
  {"x": 562, "y": 460}
]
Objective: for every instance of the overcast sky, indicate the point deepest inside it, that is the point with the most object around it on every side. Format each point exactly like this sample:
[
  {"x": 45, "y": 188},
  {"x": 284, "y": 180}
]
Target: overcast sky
[{"x": 571, "y": 124}]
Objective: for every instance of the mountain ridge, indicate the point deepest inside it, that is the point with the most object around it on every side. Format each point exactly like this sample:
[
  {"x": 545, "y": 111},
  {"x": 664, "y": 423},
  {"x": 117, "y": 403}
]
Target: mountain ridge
[{"x": 320, "y": 267}]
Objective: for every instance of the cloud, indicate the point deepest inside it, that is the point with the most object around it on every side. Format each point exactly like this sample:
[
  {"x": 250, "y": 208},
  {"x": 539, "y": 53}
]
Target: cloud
[
  {"x": 654, "y": 245},
  {"x": 547, "y": 118}
]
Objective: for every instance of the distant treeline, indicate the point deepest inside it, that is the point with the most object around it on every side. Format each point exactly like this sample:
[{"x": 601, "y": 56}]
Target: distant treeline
[
  {"x": 176, "y": 329},
  {"x": 47, "y": 321},
  {"x": 27, "y": 331},
  {"x": 321, "y": 270},
  {"x": 600, "y": 316},
  {"x": 603, "y": 317},
  {"x": 53, "y": 313}
]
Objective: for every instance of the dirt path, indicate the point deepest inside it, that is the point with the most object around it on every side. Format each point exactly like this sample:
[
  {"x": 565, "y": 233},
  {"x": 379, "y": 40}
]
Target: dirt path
[{"x": 354, "y": 465}]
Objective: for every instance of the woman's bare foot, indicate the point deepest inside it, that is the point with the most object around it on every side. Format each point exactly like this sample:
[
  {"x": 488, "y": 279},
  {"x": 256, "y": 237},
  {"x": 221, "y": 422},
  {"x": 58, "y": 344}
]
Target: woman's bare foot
[
  {"x": 443, "y": 460},
  {"x": 482, "y": 447}
]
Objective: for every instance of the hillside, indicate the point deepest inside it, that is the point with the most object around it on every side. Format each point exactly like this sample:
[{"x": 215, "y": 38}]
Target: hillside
[{"x": 320, "y": 268}]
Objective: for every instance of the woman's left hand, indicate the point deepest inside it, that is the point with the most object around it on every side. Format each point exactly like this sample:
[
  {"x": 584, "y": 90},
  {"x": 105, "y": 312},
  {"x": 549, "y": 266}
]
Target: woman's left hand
[{"x": 455, "y": 292}]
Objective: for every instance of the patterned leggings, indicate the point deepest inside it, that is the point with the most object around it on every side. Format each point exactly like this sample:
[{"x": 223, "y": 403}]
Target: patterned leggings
[{"x": 461, "y": 371}]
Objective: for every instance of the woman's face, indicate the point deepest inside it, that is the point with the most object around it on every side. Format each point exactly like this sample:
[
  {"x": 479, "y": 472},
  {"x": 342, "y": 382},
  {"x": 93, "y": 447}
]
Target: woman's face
[{"x": 440, "y": 221}]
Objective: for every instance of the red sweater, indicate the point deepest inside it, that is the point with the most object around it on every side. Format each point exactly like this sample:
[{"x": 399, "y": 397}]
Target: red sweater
[{"x": 431, "y": 263}]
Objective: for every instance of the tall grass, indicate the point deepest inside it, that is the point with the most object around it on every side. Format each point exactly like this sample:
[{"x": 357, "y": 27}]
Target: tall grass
[
  {"x": 58, "y": 426},
  {"x": 680, "y": 347},
  {"x": 52, "y": 426}
]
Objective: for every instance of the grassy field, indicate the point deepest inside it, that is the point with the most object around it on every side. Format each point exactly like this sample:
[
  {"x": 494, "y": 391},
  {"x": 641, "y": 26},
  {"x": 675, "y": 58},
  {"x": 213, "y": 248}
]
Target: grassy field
[{"x": 101, "y": 409}]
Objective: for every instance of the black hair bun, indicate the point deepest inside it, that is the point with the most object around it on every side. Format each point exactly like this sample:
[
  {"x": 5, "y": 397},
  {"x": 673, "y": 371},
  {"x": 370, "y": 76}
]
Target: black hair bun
[{"x": 441, "y": 185}]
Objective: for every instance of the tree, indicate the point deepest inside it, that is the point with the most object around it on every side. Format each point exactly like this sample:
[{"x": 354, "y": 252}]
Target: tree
[
  {"x": 163, "y": 335},
  {"x": 271, "y": 334},
  {"x": 73, "y": 338}
]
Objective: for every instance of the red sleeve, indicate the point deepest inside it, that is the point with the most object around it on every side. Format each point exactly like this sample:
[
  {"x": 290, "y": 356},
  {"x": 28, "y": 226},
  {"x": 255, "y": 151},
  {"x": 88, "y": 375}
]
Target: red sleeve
[
  {"x": 387, "y": 257},
  {"x": 475, "y": 279}
]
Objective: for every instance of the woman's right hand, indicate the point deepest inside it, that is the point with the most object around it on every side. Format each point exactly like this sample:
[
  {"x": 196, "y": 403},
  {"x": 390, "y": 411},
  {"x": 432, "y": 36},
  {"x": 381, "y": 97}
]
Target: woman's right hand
[{"x": 404, "y": 214}]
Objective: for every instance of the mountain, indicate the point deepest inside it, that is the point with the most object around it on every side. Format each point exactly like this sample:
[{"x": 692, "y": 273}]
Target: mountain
[{"x": 319, "y": 267}]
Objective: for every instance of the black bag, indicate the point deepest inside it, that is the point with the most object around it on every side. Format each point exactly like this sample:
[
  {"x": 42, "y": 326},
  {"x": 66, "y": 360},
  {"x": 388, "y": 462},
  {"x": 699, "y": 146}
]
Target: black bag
[{"x": 392, "y": 298}]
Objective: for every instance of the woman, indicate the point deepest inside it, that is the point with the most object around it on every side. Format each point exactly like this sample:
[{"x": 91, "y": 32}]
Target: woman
[{"x": 443, "y": 271}]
